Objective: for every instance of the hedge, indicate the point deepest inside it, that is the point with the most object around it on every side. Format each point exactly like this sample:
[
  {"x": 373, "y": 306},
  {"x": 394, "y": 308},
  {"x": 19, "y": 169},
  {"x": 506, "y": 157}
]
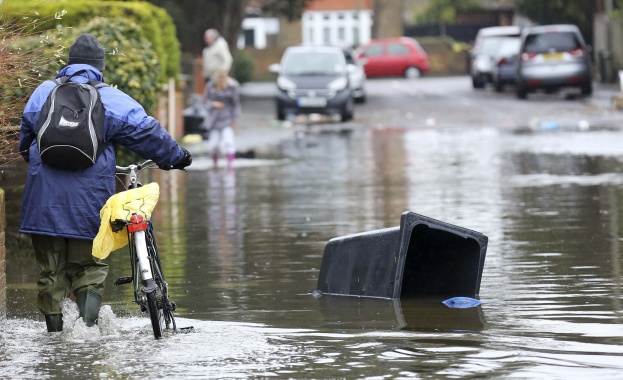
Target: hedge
[{"x": 156, "y": 23}]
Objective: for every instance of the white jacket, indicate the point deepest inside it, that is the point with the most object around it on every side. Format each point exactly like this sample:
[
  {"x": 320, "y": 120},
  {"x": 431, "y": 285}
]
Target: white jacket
[{"x": 215, "y": 56}]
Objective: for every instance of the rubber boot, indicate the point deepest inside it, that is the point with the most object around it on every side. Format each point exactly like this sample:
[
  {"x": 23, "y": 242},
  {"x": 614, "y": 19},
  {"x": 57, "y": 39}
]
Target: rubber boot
[
  {"x": 230, "y": 161},
  {"x": 54, "y": 322},
  {"x": 89, "y": 302},
  {"x": 215, "y": 160}
]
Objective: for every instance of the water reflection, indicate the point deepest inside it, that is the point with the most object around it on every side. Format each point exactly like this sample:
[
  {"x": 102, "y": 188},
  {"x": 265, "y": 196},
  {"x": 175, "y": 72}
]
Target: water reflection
[
  {"x": 423, "y": 315},
  {"x": 242, "y": 251}
]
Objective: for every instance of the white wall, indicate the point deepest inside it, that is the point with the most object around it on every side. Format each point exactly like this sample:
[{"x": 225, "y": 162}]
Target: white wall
[
  {"x": 341, "y": 28},
  {"x": 261, "y": 27}
]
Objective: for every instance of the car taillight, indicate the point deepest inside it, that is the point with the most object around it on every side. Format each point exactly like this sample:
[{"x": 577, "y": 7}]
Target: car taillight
[
  {"x": 578, "y": 53},
  {"x": 527, "y": 56}
]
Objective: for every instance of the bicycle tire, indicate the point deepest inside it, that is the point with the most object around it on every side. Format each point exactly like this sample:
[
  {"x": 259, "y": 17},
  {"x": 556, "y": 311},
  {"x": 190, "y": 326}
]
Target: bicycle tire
[{"x": 155, "y": 315}]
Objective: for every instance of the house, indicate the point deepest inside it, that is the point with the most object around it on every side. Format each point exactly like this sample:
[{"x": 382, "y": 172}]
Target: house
[
  {"x": 257, "y": 30},
  {"x": 337, "y": 22}
]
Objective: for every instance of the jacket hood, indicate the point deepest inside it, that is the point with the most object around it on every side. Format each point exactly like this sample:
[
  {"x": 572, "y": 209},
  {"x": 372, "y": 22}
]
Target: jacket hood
[{"x": 93, "y": 73}]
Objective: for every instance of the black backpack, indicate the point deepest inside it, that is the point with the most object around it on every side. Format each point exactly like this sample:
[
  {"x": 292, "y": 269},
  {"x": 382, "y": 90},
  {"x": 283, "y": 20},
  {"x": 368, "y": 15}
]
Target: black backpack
[{"x": 70, "y": 129}]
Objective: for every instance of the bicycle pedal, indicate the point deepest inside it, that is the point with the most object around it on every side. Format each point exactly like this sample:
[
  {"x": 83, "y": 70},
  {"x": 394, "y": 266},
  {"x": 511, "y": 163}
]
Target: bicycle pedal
[{"x": 123, "y": 280}]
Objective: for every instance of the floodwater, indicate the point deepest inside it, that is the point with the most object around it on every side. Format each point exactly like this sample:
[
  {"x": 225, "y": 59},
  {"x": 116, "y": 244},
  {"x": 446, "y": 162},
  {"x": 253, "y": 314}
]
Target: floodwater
[{"x": 242, "y": 250}]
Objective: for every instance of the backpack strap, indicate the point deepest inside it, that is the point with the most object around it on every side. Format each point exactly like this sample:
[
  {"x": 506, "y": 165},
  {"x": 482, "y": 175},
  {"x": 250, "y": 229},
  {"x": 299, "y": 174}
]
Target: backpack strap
[{"x": 95, "y": 83}]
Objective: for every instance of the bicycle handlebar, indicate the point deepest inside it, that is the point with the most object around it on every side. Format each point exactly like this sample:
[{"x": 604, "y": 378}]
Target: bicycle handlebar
[{"x": 138, "y": 167}]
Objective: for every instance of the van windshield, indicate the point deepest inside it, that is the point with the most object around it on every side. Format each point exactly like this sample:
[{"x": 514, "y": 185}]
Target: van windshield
[
  {"x": 313, "y": 63},
  {"x": 551, "y": 42}
]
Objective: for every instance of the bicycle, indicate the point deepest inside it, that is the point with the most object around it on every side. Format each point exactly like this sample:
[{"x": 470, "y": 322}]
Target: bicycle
[{"x": 150, "y": 290}]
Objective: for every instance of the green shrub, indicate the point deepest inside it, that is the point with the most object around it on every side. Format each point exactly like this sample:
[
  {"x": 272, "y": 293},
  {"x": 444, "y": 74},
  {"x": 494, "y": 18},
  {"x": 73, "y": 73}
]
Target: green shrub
[
  {"x": 156, "y": 23},
  {"x": 242, "y": 68},
  {"x": 131, "y": 63}
]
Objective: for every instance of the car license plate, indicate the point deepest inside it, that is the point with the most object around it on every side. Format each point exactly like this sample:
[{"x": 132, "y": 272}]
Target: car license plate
[
  {"x": 312, "y": 102},
  {"x": 552, "y": 56}
]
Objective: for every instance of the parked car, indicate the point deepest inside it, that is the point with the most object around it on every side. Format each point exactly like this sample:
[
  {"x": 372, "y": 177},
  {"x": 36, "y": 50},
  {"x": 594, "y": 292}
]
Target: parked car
[
  {"x": 482, "y": 55},
  {"x": 313, "y": 79},
  {"x": 503, "y": 70},
  {"x": 552, "y": 57},
  {"x": 356, "y": 76},
  {"x": 402, "y": 56}
]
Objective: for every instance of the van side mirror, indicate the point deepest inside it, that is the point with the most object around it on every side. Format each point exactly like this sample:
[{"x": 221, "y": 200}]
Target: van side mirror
[{"x": 275, "y": 68}]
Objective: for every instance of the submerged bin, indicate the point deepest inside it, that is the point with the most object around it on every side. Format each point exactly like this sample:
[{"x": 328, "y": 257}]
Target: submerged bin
[{"x": 423, "y": 257}]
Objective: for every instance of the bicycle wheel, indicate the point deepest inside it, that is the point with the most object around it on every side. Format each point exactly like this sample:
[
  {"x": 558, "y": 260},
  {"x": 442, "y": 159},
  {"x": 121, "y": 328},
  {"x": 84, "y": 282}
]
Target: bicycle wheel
[{"x": 155, "y": 314}]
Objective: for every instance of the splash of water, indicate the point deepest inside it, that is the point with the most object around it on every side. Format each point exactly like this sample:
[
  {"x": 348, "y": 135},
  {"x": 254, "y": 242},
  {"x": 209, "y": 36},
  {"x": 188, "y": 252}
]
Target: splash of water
[{"x": 74, "y": 327}]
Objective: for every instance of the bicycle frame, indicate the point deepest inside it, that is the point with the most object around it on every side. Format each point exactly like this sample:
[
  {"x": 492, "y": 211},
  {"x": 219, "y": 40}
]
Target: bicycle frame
[{"x": 150, "y": 287}]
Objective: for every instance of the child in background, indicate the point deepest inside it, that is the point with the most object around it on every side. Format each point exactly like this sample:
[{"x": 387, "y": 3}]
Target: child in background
[{"x": 223, "y": 106}]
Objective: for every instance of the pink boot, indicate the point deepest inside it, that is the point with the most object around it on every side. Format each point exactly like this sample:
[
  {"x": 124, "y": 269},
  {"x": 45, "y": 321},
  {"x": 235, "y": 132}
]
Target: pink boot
[{"x": 230, "y": 161}]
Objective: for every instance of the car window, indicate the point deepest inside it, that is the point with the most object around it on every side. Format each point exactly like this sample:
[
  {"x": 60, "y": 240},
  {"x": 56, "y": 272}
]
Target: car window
[
  {"x": 397, "y": 49},
  {"x": 551, "y": 42},
  {"x": 313, "y": 63},
  {"x": 374, "y": 50}
]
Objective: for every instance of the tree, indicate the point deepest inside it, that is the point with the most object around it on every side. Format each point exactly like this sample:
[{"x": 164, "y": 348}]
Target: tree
[
  {"x": 578, "y": 12},
  {"x": 387, "y": 19},
  {"x": 444, "y": 11},
  {"x": 193, "y": 17}
]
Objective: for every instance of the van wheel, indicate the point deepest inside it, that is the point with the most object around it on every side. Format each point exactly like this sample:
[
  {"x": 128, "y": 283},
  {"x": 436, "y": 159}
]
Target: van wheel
[
  {"x": 412, "y": 72},
  {"x": 522, "y": 93},
  {"x": 498, "y": 85},
  {"x": 477, "y": 82}
]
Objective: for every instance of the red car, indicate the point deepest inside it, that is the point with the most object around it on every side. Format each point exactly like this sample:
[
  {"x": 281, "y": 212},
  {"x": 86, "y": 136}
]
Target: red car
[{"x": 402, "y": 56}]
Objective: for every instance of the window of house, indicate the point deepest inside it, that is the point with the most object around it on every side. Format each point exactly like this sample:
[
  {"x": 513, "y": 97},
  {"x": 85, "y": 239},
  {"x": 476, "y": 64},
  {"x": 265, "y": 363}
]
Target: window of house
[
  {"x": 327, "y": 35},
  {"x": 341, "y": 34}
]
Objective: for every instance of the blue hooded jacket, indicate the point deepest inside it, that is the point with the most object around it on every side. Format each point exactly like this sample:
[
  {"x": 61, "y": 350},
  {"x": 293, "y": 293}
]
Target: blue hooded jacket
[{"x": 67, "y": 203}]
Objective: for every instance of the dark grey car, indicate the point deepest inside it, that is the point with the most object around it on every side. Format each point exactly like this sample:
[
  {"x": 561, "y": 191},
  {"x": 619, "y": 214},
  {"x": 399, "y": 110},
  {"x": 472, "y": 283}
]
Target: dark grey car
[
  {"x": 313, "y": 79},
  {"x": 552, "y": 57}
]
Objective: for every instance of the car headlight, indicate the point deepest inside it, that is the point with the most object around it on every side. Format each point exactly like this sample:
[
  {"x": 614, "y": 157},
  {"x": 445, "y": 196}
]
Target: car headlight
[
  {"x": 338, "y": 84},
  {"x": 285, "y": 84}
]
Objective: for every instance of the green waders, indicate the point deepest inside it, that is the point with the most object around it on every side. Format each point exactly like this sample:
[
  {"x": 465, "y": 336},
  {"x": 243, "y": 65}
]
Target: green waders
[{"x": 67, "y": 264}]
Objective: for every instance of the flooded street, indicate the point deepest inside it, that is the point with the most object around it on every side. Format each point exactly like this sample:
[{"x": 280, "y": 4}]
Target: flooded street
[{"x": 242, "y": 251}]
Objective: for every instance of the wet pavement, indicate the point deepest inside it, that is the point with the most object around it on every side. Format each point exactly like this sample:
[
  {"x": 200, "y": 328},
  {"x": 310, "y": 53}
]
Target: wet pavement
[{"x": 242, "y": 249}]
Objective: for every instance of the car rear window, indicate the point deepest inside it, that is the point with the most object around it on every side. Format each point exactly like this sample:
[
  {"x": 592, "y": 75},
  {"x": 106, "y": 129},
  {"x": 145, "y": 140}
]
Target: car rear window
[
  {"x": 551, "y": 42},
  {"x": 490, "y": 45},
  {"x": 509, "y": 46}
]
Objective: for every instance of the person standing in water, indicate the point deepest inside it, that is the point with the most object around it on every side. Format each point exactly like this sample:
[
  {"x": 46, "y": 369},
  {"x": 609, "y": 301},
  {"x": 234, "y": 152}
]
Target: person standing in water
[{"x": 223, "y": 105}]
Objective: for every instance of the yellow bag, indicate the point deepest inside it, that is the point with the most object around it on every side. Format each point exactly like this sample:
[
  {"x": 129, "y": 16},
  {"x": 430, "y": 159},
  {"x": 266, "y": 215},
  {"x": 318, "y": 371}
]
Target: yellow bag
[{"x": 121, "y": 206}]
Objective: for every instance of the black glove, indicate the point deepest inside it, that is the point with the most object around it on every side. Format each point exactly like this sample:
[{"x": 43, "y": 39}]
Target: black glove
[{"x": 184, "y": 162}]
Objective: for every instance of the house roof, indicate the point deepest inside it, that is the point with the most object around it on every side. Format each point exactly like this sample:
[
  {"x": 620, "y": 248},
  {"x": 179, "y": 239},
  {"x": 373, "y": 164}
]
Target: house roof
[{"x": 336, "y": 5}]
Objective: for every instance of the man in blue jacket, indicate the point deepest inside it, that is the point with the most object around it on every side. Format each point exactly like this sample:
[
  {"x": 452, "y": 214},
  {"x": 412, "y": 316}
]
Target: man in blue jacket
[{"x": 61, "y": 208}]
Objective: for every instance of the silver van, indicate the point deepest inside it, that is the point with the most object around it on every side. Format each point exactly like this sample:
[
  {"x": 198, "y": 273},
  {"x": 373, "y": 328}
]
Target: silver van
[
  {"x": 482, "y": 56},
  {"x": 552, "y": 57}
]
